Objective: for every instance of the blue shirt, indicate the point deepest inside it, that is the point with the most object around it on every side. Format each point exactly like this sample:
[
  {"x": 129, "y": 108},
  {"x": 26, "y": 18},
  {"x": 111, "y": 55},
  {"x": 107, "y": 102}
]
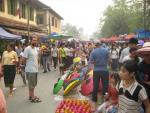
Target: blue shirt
[{"x": 99, "y": 57}]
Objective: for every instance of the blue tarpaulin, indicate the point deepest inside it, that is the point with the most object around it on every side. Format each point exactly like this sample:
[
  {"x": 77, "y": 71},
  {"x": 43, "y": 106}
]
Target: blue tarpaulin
[
  {"x": 57, "y": 36},
  {"x": 141, "y": 33},
  {"x": 8, "y": 36}
]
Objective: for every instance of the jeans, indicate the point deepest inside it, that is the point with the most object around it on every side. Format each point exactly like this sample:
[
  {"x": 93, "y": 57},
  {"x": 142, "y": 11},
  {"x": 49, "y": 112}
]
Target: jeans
[
  {"x": 55, "y": 61},
  {"x": 104, "y": 76},
  {"x": 45, "y": 60}
]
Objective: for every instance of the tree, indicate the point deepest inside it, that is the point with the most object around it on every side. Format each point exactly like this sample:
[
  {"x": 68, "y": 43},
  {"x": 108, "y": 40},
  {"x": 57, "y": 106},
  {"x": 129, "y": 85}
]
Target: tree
[
  {"x": 115, "y": 21},
  {"x": 71, "y": 30},
  {"x": 123, "y": 17}
]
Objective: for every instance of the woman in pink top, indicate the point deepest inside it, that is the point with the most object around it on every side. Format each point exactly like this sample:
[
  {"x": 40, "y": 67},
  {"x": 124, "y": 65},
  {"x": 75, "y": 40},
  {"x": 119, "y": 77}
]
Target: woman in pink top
[{"x": 2, "y": 99}]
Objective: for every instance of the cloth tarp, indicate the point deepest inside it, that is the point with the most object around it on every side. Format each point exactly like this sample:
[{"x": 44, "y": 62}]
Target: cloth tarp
[
  {"x": 141, "y": 33},
  {"x": 8, "y": 36}
]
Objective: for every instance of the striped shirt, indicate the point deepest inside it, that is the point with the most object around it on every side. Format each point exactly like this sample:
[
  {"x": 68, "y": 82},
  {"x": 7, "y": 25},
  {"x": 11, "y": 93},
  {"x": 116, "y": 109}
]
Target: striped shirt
[{"x": 127, "y": 105}]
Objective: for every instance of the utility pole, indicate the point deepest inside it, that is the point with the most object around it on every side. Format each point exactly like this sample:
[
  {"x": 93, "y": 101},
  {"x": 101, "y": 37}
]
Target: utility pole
[{"x": 49, "y": 24}]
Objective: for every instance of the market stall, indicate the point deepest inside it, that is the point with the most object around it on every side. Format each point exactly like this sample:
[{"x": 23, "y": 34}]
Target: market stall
[{"x": 4, "y": 35}]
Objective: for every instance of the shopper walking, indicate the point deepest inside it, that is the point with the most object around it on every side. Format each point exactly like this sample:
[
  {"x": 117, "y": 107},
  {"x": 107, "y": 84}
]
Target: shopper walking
[
  {"x": 31, "y": 69},
  {"x": 9, "y": 61},
  {"x": 100, "y": 58},
  {"x": 55, "y": 56}
]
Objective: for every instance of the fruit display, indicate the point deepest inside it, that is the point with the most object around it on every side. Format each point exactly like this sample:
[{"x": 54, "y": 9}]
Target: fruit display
[{"x": 74, "y": 106}]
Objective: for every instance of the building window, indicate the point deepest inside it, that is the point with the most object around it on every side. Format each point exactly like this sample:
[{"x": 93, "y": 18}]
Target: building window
[
  {"x": 53, "y": 21},
  {"x": 23, "y": 11},
  {"x": 31, "y": 14},
  {"x": 2, "y": 5},
  {"x": 12, "y": 7},
  {"x": 40, "y": 19}
]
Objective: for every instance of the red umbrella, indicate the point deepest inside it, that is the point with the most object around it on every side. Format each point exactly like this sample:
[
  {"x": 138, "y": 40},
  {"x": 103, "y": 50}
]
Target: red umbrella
[{"x": 113, "y": 39}]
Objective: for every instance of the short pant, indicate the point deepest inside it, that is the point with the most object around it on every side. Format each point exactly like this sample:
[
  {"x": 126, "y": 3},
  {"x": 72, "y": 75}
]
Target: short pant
[{"x": 32, "y": 79}]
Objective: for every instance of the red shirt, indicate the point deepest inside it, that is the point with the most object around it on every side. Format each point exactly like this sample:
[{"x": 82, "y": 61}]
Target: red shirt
[{"x": 113, "y": 94}]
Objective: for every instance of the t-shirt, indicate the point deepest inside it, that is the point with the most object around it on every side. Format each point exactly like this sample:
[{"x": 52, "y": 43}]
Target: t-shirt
[
  {"x": 62, "y": 52},
  {"x": 67, "y": 51},
  {"x": 114, "y": 54},
  {"x": 2, "y": 103},
  {"x": 99, "y": 57},
  {"x": 54, "y": 52},
  {"x": 124, "y": 53},
  {"x": 126, "y": 58},
  {"x": 9, "y": 58},
  {"x": 31, "y": 55},
  {"x": 127, "y": 105}
]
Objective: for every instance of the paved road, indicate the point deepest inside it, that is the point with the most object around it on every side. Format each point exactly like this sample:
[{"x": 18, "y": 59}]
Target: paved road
[{"x": 19, "y": 103}]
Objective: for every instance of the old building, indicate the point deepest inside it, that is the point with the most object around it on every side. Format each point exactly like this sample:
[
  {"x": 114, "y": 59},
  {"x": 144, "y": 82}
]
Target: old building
[
  {"x": 25, "y": 17},
  {"x": 48, "y": 19}
]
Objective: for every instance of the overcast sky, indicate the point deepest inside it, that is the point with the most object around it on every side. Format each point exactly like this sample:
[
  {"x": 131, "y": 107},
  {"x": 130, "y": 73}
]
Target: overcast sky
[{"x": 81, "y": 13}]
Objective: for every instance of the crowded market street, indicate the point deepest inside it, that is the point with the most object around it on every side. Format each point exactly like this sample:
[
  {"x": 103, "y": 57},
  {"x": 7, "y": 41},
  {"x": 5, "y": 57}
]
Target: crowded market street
[{"x": 74, "y": 56}]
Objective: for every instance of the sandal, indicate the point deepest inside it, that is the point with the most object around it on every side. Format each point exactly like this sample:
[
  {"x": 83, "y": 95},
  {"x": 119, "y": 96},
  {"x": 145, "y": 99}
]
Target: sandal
[{"x": 35, "y": 100}]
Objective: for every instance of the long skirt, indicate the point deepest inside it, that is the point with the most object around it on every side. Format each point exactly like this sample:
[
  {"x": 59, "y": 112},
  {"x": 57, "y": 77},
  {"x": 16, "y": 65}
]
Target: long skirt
[{"x": 9, "y": 75}]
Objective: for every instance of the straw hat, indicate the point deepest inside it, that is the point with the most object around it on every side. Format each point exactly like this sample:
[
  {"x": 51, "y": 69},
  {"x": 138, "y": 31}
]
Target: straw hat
[{"x": 145, "y": 49}]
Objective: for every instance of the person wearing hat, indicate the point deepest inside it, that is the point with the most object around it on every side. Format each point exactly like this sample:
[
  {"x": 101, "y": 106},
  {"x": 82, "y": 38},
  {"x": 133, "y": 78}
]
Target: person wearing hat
[
  {"x": 140, "y": 44},
  {"x": 99, "y": 57},
  {"x": 144, "y": 67},
  {"x": 132, "y": 43}
]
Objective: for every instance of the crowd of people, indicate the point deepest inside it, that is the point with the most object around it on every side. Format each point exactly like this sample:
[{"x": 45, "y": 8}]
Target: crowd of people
[{"x": 124, "y": 70}]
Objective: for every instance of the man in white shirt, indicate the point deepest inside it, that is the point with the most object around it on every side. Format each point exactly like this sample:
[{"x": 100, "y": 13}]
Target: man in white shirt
[
  {"x": 31, "y": 69},
  {"x": 132, "y": 43}
]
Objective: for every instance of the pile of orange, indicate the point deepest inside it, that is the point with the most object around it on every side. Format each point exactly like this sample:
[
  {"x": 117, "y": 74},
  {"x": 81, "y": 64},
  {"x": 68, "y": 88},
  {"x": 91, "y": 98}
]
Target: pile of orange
[{"x": 74, "y": 106}]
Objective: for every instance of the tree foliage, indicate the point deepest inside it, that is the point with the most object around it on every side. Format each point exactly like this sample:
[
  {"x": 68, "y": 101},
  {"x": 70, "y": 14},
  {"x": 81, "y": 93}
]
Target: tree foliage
[
  {"x": 72, "y": 30},
  {"x": 124, "y": 16}
]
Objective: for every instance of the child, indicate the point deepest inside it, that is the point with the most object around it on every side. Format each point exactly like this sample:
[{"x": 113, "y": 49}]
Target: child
[
  {"x": 111, "y": 99},
  {"x": 131, "y": 93}
]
